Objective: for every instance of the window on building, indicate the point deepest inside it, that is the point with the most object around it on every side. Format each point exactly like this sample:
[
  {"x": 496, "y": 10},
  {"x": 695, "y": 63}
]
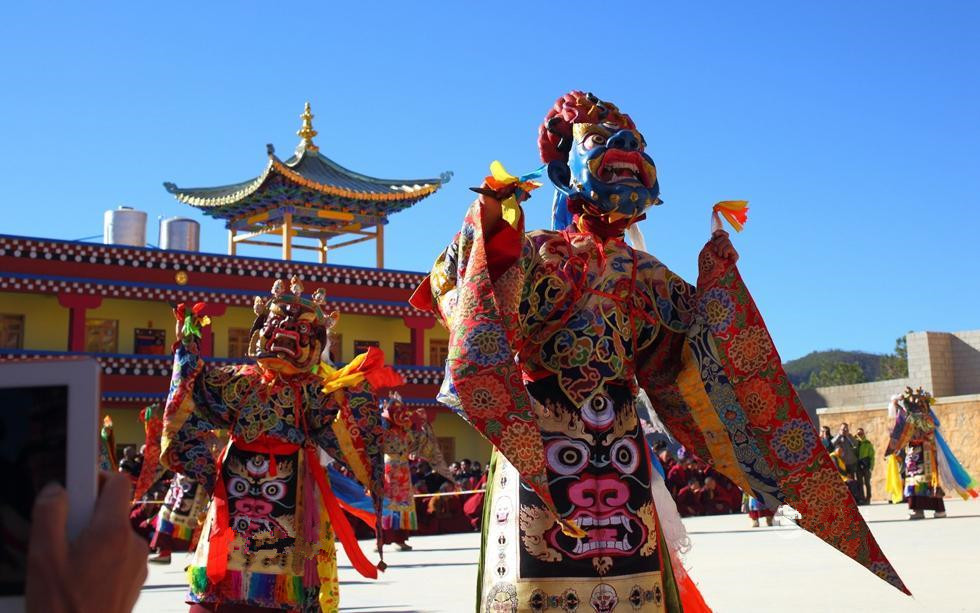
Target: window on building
[
  {"x": 447, "y": 445},
  {"x": 438, "y": 352},
  {"x": 404, "y": 354},
  {"x": 362, "y": 346},
  {"x": 238, "y": 342},
  {"x": 149, "y": 341},
  {"x": 102, "y": 335},
  {"x": 11, "y": 331}
]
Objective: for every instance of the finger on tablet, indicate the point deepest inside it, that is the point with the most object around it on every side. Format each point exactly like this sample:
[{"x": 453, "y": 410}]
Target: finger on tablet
[
  {"x": 49, "y": 543},
  {"x": 113, "y": 502}
]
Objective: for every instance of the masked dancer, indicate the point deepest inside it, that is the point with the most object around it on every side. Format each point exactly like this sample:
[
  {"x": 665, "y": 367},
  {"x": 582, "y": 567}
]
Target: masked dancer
[
  {"x": 268, "y": 538},
  {"x": 553, "y": 334}
]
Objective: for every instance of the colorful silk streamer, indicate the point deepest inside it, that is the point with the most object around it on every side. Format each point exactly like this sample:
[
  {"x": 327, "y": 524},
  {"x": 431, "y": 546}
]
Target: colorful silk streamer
[
  {"x": 735, "y": 212},
  {"x": 964, "y": 484},
  {"x": 192, "y": 321},
  {"x": 893, "y": 479},
  {"x": 520, "y": 188}
]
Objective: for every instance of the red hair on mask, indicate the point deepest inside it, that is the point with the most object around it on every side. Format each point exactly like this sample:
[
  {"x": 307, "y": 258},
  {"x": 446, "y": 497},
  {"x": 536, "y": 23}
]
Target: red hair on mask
[{"x": 555, "y": 133}]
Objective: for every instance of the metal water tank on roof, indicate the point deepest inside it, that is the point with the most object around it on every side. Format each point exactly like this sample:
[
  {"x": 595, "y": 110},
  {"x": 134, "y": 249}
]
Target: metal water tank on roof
[
  {"x": 124, "y": 226},
  {"x": 180, "y": 234}
]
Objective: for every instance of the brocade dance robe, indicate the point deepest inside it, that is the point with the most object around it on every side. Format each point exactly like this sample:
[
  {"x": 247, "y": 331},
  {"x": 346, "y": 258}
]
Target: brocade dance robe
[
  {"x": 552, "y": 334},
  {"x": 182, "y": 508},
  {"x": 268, "y": 537},
  {"x": 399, "y": 445}
]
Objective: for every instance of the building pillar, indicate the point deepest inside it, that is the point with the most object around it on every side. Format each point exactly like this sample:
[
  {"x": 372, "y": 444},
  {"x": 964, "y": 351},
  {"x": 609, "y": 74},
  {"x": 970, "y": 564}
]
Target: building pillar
[
  {"x": 418, "y": 325},
  {"x": 380, "y": 245},
  {"x": 287, "y": 236},
  {"x": 207, "y": 334},
  {"x": 78, "y": 305},
  {"x": 232, "y": 246}
]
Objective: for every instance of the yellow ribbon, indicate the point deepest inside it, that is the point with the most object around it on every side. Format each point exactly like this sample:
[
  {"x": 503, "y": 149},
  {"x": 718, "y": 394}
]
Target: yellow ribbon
[{"x": 339, "y": 378}]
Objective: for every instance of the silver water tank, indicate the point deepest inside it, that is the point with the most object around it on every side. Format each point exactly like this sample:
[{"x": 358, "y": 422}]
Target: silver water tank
[
  {"x": 180, "y": 234},
  {"x": 124, "y": 226}
]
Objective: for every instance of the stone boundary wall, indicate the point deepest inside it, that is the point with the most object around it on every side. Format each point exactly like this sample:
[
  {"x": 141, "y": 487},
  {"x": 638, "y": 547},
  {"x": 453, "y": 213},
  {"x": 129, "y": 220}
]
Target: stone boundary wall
[
  {"x": 942, "y": 363},
  {"x": 959, "y": 417},
  {"x": 858, "y": 394}
]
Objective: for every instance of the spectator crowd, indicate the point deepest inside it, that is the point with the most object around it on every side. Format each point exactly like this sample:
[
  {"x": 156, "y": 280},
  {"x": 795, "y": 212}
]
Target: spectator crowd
[
  {"x": 697, "y": 488},
  {"x": 854, "y": 456}
]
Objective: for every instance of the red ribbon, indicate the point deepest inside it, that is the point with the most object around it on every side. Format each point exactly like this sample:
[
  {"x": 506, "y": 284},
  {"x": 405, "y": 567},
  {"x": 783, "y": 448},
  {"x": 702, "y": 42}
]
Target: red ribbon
[
  {"x": 341, "y": 526},
  {"x": 376, "y": 373},
  {"x": 221, "y": 535}
]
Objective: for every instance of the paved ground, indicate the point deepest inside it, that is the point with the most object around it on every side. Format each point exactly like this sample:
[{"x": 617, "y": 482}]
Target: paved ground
[{"x": 738, "y": 569}]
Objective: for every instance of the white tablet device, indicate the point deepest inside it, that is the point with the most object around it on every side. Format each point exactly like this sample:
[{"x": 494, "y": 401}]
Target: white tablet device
[{"x": 49, "y": 415}]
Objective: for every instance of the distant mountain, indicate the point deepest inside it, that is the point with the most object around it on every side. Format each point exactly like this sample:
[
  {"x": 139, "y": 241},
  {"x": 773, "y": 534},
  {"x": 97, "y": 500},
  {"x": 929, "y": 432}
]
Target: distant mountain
[{"x": 800, "y": 369}]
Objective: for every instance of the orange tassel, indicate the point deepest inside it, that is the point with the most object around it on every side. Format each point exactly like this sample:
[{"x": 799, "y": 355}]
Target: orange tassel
[{"x": 735, "y": 212}]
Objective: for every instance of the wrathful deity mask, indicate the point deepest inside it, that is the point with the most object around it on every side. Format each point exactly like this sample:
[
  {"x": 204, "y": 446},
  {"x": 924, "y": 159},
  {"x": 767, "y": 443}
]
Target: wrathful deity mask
[
  {"x": 596, "y": 159},
  {"x": 290, "y": 332}
]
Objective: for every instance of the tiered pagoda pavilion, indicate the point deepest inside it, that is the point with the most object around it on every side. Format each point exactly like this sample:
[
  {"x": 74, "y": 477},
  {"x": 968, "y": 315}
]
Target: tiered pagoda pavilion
[{"x": 308, "y": 196}]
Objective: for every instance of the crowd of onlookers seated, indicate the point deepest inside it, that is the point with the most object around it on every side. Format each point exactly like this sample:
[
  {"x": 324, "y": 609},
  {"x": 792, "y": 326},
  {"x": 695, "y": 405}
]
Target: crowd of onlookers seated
[
  {"x": 467, "y": 473},
  {"x": 454, "y": 512},
  {"x": 697, "y": 488}
]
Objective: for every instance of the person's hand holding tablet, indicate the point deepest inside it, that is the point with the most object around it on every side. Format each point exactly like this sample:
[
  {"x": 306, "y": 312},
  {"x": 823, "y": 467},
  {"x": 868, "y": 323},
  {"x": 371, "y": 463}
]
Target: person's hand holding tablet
[{"x": 102, "y": 570}]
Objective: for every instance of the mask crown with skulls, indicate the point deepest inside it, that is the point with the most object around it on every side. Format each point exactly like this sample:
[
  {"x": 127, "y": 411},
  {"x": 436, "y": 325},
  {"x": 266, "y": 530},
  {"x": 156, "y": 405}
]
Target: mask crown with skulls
[
  {"x": 596, "y": 159},
  {"x": 290, "y": 329},
  {"x": 916, "y": 400}
]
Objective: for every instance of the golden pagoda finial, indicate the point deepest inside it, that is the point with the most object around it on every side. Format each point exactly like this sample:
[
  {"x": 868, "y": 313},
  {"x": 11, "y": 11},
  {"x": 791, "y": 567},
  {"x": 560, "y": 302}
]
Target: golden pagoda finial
[{"x": 307, "y": 132}]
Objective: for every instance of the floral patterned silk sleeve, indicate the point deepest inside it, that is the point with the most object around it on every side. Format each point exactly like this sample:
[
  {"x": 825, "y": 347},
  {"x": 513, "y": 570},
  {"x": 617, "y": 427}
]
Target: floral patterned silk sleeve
[
  {"x": 196, "y": 406},
  {"x": 477, "y": 297},
  {"x": 721, "y": 390}
]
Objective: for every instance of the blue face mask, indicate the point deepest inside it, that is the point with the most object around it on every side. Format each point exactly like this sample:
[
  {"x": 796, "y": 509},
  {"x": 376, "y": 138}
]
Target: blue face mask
[{"x": 607, "y": 171}]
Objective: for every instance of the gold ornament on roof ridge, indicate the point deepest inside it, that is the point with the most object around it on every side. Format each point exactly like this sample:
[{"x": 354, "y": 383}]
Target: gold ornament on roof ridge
[{"x": 306, "y": 132}]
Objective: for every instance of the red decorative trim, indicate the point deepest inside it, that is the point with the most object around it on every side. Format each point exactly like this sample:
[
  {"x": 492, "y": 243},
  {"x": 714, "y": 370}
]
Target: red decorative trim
[
  {"x": 138, "y": 263},
  {"x": 421, "y": 322},
  {"x": 79, "y": 301},
  {"x": 108, "y": 289},
  {"x": 424, "y": 375}
]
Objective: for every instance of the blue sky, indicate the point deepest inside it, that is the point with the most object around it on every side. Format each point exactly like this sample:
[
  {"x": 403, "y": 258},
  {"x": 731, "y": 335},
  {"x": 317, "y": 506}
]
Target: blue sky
[{"x": 852, "y": 128}]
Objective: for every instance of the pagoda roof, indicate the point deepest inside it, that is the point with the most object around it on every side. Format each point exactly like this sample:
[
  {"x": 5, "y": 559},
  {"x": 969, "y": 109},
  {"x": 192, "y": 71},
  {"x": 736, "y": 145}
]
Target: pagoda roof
[{"x": 310, "y": 184}]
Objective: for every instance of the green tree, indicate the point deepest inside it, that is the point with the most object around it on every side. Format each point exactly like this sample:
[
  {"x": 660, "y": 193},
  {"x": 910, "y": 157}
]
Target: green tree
[
  {"x": 840, "y": 373},
  {"x": 896, "y": 364}
]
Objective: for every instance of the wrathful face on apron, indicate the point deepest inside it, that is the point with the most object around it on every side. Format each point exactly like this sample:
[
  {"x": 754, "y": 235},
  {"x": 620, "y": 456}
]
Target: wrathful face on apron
[
  {"x": 262, "y": 507},
  {"x": 599, "y": 477}
]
